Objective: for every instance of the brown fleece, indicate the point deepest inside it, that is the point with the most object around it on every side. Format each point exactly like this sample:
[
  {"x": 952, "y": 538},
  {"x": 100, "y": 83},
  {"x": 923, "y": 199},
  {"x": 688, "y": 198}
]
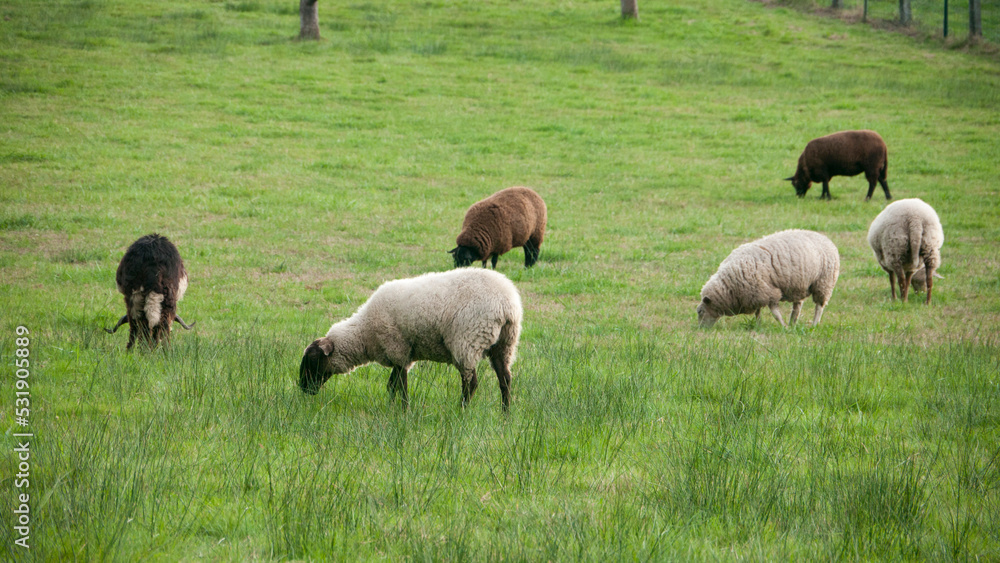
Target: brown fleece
[
  {"x": 847, "y": 153},
  {"x": 505, "y": 220}
]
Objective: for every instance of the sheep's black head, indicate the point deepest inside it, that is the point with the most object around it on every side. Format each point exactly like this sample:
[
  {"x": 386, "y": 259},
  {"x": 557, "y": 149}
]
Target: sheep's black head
[
  {"x": 706, "y": 313},
  {"x": 464, "y": 256},
  {"x": 315, "y": 368},
  {"x": 801, "y": 186}
]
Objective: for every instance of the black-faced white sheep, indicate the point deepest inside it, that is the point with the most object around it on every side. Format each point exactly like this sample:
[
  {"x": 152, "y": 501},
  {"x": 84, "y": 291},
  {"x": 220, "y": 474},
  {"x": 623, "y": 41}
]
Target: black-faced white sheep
[
  {"x": 152, "y": 278},
  {"x": 906, "y": 236},
  {"x": 456, "y": 317},
  {"x": 785, "y": 266},
  {"x": 509, "y": 218},
  {"x": 847, "y": 153}
]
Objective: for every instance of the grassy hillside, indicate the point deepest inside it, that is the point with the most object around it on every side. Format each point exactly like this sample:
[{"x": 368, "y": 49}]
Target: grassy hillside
[{"x": 296, "y": 177}]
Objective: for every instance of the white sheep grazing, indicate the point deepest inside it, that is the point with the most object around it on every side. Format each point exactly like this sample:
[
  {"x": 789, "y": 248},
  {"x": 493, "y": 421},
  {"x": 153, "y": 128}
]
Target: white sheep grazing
[
  {"x": 785, "y": 266},
  {"x": 905, "y": 237},
  {"x": 918, "y": 282},
  {"x": 456, "y": 317}
]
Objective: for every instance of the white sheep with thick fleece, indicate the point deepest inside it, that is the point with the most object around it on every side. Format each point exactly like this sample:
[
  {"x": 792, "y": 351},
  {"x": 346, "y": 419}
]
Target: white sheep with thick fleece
[
  {"x": 905, "y": 237},
  {"x": 456, "y": 317},
  {"x": 785, "y": 266}
]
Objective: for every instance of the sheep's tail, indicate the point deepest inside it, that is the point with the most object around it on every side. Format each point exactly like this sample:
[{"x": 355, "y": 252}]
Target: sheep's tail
[
  {"x": 503, "y": 353},
  {"x": 505, "y": 349},
  {"x": 916, "y": 240}
]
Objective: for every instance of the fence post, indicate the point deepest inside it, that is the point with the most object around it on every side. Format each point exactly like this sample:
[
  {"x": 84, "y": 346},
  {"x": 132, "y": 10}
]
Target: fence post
[
  {"x": 630, "y": 9},
  {"x": 975, "y": 20},
  {"x": 946, "y": 18},
  {"x": 906, "y": 12}
]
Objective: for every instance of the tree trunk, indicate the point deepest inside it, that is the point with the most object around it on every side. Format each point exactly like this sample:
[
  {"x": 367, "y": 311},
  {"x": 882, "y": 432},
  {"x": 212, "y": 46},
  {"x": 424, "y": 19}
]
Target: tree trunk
[
  {"x": 309, "y": 17},
  {"x": 630, "y": 9},
  {"x": 837, "y": 4},
  {"x": 975, "y": 19},
  {"x": 905, "y": 13}
]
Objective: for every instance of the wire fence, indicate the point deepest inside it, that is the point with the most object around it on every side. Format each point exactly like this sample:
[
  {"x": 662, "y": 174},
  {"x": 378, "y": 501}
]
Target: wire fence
[{"x": 929, "y": 16}]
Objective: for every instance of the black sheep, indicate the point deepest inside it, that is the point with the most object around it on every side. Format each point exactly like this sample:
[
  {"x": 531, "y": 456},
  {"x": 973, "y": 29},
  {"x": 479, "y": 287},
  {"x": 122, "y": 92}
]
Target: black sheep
[
  {"x": 847, "y": 153},
  {"x": 152, "y": 278}
]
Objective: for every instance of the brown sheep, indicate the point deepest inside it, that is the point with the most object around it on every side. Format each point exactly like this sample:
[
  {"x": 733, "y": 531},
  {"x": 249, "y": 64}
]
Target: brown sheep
[
  {"x": 847, "y": 153},
  {"x": 152, "y": 278},
  {"x": 511, "y": 217}
]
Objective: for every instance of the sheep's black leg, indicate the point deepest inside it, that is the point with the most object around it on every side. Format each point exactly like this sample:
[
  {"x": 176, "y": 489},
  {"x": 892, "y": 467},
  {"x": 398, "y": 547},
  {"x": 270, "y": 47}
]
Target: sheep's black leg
[
  {"x": 494, "y": 259},
  {"x": 133, "y": 331},
  {"x": 397, "y": 383},
  {"x": 402, "y": 384},
  {"x": 469, "y": 384},
  {"x": 871, "y": 188},
  {"x": 159, "y": 333},
  {"x": 530, "y": 253},
  {"x": 503, "y": 377},
  {"x": 391, "y": 386},
  {"x": 885, "y": 188},
  {"x": 930, "y": 282},
  {"x": 892, "y": 284},
  {"x": 826, "y": 190},
  {"x": 121, "y": 321}
]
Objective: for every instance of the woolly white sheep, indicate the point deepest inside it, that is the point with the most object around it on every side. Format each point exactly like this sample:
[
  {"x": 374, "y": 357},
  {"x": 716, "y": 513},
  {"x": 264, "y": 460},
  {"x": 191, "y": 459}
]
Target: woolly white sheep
[
  {"x": 152, "y": 278},
  {"x": 785, "y": 266},
  {"x": 918, "y": 282},
  {"x": 456, "y": 317},
  {"x": 906, "y": 236},
  {"x": 509, "y": 218}
]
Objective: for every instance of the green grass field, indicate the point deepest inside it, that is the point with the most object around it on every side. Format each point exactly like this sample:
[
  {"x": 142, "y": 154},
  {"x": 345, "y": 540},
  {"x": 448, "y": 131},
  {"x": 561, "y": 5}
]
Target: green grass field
[{"x": 296, "y": 177}]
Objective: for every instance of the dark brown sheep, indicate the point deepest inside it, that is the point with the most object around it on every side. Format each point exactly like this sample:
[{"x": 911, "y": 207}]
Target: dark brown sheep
[
  {"x": 152, "y": 278},
  {"x": 847, "y": 153},
  {"x": 509, "y": 218}
]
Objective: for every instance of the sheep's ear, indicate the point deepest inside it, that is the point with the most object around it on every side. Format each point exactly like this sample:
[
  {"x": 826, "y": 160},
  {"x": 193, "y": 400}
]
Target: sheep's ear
[
  {"x": 322, "y": 344},
  {"x": 453, "y": 250},
  {"x": 939, "y": 276},
  {"x": 789, "y": 179}
]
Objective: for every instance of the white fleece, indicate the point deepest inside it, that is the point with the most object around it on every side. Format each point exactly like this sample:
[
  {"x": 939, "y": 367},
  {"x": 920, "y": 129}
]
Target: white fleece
[
  {"x": 906, "y": 236},
  {"x": 785, "y": 266},
  {"x": 451, "y": 317}
]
